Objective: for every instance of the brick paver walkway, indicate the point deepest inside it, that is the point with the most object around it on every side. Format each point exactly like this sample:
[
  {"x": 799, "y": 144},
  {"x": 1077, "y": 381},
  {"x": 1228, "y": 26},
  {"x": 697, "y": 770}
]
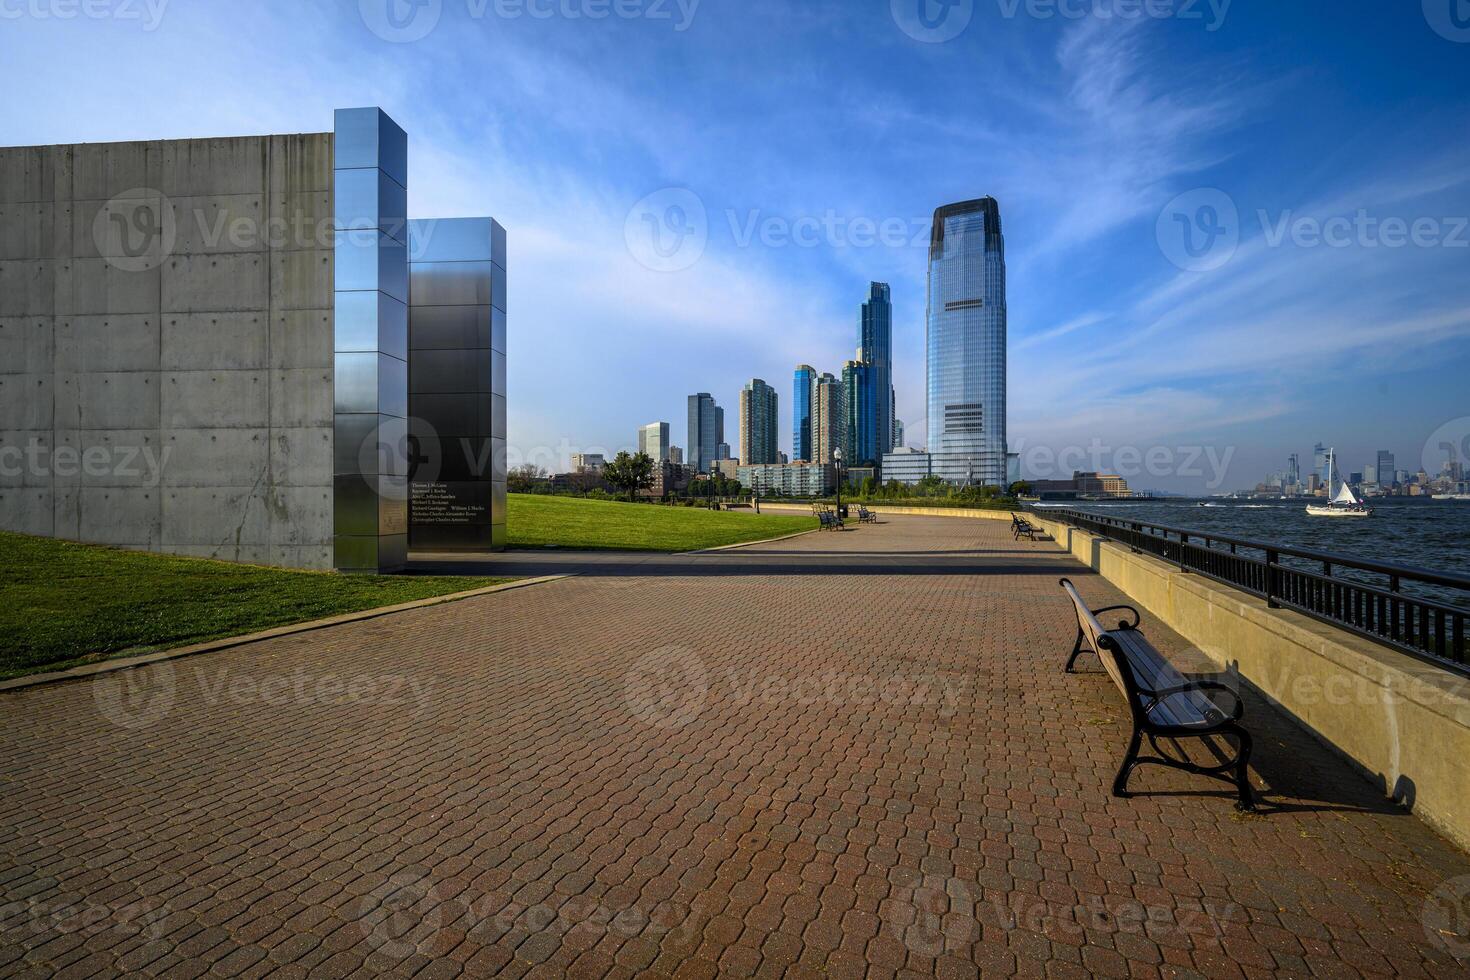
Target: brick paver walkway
[{"x": 838, "y": 755}]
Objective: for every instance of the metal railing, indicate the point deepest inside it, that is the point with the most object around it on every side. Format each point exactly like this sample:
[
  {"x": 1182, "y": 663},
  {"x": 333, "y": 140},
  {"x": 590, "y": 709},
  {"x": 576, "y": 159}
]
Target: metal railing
[{"x": 1382, "y": 601}]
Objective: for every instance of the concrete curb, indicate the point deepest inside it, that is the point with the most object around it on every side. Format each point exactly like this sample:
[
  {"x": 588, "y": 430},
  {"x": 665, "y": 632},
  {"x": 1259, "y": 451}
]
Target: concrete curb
[
  {"x": 210, "y": 646},
  {"x": 746, "y": 544}
]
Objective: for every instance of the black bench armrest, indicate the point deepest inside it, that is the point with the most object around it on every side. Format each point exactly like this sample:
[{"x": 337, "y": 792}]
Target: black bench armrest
[
  {"x": 1193, "y": 687},
  {"x": 1122, "y": 624}
]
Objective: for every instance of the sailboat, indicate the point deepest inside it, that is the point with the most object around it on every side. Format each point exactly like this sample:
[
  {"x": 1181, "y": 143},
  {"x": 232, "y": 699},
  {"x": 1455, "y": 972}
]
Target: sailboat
[{"x": 1344, "y": 502}]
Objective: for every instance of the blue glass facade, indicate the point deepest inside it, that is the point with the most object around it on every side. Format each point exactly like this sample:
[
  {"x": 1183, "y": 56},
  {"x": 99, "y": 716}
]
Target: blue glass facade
[
  {"x": 859, "y": 448},
  {"x": 966, "y": 344},
  {"x": 706, "y": 431},
  {"x": 801, "y": 414},
  {"x": 875, "y": 342}
]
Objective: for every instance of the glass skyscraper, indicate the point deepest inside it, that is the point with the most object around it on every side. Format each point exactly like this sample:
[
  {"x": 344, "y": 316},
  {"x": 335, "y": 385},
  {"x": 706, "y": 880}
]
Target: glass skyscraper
[
  {"x": 801, "y": 413},
  {"x": 875, "y": 348},
  {"x": 653, "y": 440},
  {"x": 758, "y": 424},
  {"x": 706, "y": 431},
  {"x": 966, "y": 344},
  {"x": 859, "y": 446}
]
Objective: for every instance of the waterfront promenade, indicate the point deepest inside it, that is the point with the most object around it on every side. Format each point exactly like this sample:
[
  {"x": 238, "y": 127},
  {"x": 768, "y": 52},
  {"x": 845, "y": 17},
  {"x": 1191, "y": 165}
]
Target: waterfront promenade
[{"x": 836, "y": 755}]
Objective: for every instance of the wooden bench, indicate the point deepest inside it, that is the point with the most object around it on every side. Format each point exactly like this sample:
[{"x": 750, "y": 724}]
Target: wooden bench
[
  {"x": 1163, "y": 703},
  {"x": 1022, "y": 528},
  {"x": 829, "y": 521},
  {"x": 866, "y": 516}
]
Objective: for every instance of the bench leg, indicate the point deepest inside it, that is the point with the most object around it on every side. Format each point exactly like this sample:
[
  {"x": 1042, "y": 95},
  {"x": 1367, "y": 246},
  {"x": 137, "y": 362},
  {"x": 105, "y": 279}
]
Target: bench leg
[
  {"x": 1247, "y": 801},
  {"x": 1120, "y": 785},
  {"x": 1077, "y": 651}
]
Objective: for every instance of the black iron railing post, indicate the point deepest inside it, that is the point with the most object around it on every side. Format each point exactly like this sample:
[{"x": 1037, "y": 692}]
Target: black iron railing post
[{"x": 1273, "y": 579}]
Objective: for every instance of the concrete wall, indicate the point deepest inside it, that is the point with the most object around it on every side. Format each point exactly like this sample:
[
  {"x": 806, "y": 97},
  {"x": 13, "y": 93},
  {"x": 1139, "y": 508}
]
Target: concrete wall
[
  {"x": 1403, "y": 722},
  {"x": 166, "y": 346}
]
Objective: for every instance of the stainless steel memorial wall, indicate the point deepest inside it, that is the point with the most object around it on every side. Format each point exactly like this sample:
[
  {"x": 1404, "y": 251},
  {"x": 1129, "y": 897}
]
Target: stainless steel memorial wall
[
  {"x": 456, "y": 385},
  {"x": 370, "y": 475}
]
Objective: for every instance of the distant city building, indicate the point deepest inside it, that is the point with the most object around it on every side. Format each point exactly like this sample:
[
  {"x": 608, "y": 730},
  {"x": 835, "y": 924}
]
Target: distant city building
[
  {"x": 653, "y": 440},
  {"x": 875, "y": 348},
  {"x": 897, "y": 433},
  {"x": 966, "y": 344},
  {"x": 802, "y": 388},
  {"x": 1082, "y": 485},
  {"x": 829, "y": 419},
  {"x": 759, "y": 416},
  {"x": 859, "y": 443},
  {"x": 722, "y": 451},
  {"x": 706, "y": 431},
  {"x": 582, "y": 462},
  {"x": 790, "y": 479},
  {"x": 668, "y": 479},
  {"x": 1293, "y": 470},
  {"x": 1319, "y": 463},
  {"x": 1385, "y": 470},
  {"x": 906, "y": 466},
  {"x": 728, "y": 468},
  {"x": 782, "y": 458},
  {"x": 676, "y": 455}
]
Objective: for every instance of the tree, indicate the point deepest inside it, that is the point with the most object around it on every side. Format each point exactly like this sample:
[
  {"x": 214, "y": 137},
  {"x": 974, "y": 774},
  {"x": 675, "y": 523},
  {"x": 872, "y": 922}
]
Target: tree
[
  {"x": 523, "y": 479},
  {"x": 1020, "y": 489},
  {"x": 629, "y": 472},
  {"x": 930, "y": 486}
]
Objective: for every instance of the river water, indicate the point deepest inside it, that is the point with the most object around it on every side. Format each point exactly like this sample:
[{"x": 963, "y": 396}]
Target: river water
[{"x": 1432, "y": 534}]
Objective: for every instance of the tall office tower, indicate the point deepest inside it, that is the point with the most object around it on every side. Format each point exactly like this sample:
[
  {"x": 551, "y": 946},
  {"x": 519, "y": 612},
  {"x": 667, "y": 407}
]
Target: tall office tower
[
  {"x": 876, "y": 349},
  {"x": 653, "y": 439},
  {"x": 1293, "y": 470},
  {"x": 676, "y": 456},
  {"x": 801, "y": 413},
  {"x": 859, "y": 443},
  {"x": 898, "y": 433},
  {"x": 966, "y": 344},
  {"x": 706, "y": 431},
  {"x": 1319, "y": 461},
  {"x": 1385, "y": 466},
  {"x": 759, "y": 443},
  {"x": 829, "y": 419}
]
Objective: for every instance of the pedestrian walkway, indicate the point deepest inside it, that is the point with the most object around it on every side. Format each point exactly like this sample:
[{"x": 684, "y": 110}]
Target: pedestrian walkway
[{"x": 838, "y": 755}]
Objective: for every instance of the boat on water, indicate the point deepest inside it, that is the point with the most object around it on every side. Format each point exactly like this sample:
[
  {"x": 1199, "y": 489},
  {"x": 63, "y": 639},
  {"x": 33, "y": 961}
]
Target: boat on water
[{"x": 1343, "y": 503}]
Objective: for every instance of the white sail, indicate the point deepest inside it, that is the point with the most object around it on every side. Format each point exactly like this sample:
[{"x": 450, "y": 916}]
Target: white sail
[{"x": 1346, "y": 496}]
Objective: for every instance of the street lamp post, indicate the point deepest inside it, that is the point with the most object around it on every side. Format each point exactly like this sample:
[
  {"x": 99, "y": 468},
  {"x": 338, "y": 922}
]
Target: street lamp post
[{"x": 837, "y": 455}]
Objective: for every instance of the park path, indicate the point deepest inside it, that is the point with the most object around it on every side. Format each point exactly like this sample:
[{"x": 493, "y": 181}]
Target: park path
[{"x": 843, "y": 754}]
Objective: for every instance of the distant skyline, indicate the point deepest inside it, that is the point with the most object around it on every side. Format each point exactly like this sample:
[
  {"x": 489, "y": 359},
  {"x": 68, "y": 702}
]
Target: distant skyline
[{"x": 1245, "y": 232}]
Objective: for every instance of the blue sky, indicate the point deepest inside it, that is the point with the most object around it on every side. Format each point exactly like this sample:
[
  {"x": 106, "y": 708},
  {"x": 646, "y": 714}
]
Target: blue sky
[{"x": 816, "y": 138}]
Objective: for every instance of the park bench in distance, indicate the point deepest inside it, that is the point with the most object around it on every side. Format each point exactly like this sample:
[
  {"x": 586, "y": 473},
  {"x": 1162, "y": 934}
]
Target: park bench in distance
[
  {"x": 866, "y": 516},
  {"x": 1163, "y": 703},
  {"x": 1022, "y": 528},
  {"x": 827, "y": 519}
]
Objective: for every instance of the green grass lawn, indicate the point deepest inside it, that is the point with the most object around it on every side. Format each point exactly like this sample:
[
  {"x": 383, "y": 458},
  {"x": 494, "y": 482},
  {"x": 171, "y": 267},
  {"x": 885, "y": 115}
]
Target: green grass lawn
[
  {"x": 574, "y": 523},
  {"x": 63, "y": 604}
]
